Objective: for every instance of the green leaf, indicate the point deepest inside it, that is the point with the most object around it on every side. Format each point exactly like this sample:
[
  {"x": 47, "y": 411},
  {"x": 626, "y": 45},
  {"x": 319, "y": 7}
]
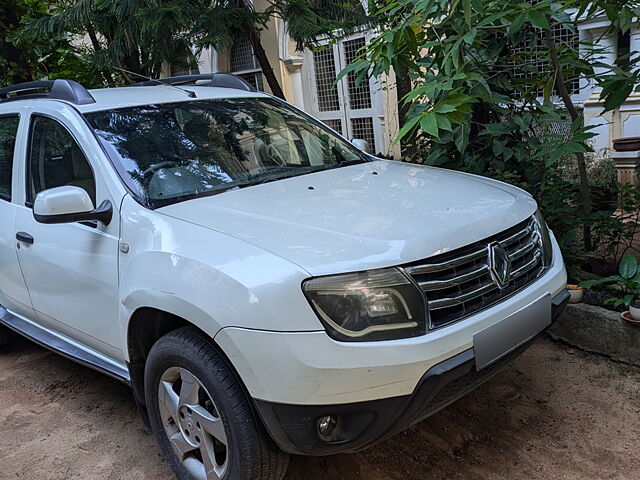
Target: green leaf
[
  {"x": 466, "y": 6},
  {"x": 444, "y": 123},
  {"x": 548, "y": 89},
  {"x": 444, "y": 108},
  {"x": 517, "y": 23},
  {"x": 538, "y": 19},
  {"x": 408, "y": 126},
  {"x": 628, "y": 266},
  {"x": 461, "y": 137},
  {"x": 470, "y": 36},
  {"x": 429, "y": 124},
  {"x": 600, "y": 281},
  {"x": 617, "y": 96}
]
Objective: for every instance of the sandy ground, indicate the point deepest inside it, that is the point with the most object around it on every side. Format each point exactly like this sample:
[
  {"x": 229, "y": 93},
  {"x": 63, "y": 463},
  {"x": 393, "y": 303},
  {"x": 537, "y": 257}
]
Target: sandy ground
[{"x": 555, "y": 413}]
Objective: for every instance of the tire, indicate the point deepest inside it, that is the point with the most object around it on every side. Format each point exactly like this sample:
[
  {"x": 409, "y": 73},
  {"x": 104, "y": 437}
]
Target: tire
[
  {"x": 4, "y": 335},
  {"x": 196, "y": 403}
]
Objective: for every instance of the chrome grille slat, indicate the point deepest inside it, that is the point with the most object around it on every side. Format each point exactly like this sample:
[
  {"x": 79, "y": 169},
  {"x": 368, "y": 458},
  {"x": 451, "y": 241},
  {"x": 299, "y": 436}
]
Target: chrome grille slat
[
  {"x": 517, "y": 236},
  {"x": 460, "y": 283},
  {"x": 438, "y": 267},
  {"x": 527, "y": 266},
  {"x": 447, "y": 302},
  {"x": 535, "y": 242},
  {"x": 427, "y": 286}
]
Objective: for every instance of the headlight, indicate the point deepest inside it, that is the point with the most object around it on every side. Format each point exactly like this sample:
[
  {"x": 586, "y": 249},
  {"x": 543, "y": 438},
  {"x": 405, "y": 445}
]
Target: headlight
[
  {"x": 366, "y": 306},
  {"x": 545, "y": 239}
]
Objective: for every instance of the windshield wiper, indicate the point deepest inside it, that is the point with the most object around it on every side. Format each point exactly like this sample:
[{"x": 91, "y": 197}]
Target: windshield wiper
[{"x": 296, "y": 171}]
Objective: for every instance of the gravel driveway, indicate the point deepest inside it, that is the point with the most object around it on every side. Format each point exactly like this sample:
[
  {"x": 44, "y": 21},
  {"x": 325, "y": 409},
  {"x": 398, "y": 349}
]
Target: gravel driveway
[{"x": 554, "y": 413}]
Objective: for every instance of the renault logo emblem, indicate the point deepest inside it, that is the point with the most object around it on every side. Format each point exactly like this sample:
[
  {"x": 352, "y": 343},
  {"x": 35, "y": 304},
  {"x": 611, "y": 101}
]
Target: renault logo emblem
[{"x": 499, "y": 265}]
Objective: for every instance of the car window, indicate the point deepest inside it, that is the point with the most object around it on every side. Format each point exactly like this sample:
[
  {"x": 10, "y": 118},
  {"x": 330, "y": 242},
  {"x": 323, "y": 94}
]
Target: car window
[
  {"x": 56, "y": 160},
  {"x": 174, "y": 152},
  {"x": 8, "y": 135}
]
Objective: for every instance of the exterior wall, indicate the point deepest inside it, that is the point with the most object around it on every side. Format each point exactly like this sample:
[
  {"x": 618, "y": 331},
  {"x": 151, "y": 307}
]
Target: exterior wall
[
  {"x": 294, "y": 71},
  {"x": 625, "y": 121}
]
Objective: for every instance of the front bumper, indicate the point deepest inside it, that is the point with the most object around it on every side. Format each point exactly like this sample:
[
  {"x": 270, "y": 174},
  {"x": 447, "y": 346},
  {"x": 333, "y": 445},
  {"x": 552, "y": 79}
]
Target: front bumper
[
  {"x": 363, "y": 424},
  {"x": 310, "y": 368}
]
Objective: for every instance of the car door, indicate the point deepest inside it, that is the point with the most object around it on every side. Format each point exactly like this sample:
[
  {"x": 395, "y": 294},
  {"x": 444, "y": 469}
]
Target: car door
[
  {"x": 13, "y": 291},
  {"x": 71, "y": 269}
]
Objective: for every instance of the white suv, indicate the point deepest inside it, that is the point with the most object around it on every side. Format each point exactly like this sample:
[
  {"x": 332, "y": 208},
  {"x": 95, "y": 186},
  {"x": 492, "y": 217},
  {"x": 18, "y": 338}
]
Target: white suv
[{"x": 264, "y": 287}]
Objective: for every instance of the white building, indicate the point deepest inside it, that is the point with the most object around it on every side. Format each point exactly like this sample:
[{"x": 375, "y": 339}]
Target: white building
[{"x": 369, "y": 111}]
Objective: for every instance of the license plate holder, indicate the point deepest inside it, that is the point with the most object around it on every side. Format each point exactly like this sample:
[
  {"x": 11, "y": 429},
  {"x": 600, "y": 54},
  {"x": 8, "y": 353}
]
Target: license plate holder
[{"x": 504, "y": 336}]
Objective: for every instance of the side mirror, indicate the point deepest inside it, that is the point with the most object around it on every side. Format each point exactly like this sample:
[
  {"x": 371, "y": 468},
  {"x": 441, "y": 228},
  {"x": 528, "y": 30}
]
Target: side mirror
[
  {"x": 360, "y": 144},
  {"x": 69, "y": 204}
]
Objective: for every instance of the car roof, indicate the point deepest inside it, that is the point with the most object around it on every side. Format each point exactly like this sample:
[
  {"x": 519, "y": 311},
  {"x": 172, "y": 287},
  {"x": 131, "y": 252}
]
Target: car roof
[{"x": 122, "y": 97}]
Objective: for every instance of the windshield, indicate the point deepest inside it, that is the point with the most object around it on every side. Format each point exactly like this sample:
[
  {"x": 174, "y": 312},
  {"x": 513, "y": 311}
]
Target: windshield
[{"x": 173, "y": 152}]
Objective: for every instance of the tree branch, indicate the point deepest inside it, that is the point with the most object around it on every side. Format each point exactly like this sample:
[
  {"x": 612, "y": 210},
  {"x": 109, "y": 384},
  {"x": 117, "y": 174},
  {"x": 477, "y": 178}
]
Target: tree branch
[{"x": 561, "y": 88}]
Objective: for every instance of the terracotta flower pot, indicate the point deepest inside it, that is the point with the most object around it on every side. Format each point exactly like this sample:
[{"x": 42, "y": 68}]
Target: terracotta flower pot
[
  {"x": 575, "y": 293},
  {"x": 627, "y": 144},
  {"x": 635, "y": 312},
  {"x": 626, "y": 316}
]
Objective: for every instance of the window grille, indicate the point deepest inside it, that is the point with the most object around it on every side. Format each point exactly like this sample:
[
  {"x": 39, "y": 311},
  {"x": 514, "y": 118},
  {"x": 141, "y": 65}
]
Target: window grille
[
  {"x": 325, "y": 75},
  {"x": 359, "y": 94},
  {"x": 336, "y": 124},
  {"x": 363, "y": 128},
  {"x": 255, "y": 79},
  {"x": 242, "y": 56},
  {"x": 538, "y": 64},
  {"x": 244, "y": 63}
]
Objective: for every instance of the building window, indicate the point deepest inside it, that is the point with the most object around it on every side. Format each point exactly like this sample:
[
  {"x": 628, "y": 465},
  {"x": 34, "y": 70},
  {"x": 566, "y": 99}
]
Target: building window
[
  {"x": 624, "y": 49},
  {"x": 359, "y": 93},
  {"x": 537, "y": 63},
  {"x": 362, "y": 128},
  {"x": 244, "y": 63},
  {"x": 325, "y": 76}
]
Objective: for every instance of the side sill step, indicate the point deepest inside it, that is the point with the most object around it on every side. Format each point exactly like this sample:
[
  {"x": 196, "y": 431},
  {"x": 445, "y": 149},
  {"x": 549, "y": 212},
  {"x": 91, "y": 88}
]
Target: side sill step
[{"x": 61, "y": 346}]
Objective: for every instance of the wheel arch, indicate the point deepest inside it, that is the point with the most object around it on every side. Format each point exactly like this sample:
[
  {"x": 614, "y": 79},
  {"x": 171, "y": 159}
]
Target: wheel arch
[{"x": 145, "y": 327}]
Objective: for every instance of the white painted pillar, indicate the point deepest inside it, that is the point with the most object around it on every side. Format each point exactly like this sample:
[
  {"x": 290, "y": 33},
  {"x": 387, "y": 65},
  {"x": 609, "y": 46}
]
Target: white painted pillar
[
  {"x": 606, "y": 51},
  {"x": 294, "y": 66},
  {"x": 634, "y": 35},
  {"x": 585, "y": 37}
]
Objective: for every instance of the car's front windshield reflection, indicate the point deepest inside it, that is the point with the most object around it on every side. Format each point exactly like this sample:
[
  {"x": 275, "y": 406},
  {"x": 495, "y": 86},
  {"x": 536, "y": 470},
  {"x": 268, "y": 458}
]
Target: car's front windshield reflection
[{"x": 174, "y": 152}]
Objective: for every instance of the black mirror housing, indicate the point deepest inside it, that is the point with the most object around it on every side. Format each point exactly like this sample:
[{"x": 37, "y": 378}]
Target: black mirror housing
[{"x": 103, "y": 214}]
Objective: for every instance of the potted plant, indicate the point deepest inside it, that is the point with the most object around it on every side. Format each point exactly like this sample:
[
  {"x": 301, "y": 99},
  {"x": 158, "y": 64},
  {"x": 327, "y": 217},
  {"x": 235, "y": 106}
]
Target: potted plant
[
  {"x": 628, "y": 281},
  {"x": 572, "y": 259},
  {"x": 576, "y": 292}
]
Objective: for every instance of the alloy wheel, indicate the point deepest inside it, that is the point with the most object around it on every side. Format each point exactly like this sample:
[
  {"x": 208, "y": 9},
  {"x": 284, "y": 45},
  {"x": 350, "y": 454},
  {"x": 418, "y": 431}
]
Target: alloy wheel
[{"x": 193, "y": 424}]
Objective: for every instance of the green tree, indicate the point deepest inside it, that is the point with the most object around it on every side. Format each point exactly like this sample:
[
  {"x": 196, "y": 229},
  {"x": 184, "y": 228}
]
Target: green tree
[
  {"x": 134, "y": 35},
  {"x": 150, "y": 37},
  {"x": 25, "y": 57},
  {"x": 475, "y": 102}
]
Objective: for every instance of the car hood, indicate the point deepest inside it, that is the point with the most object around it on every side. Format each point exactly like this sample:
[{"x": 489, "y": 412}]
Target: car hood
[{"x": 369, "y": 215}]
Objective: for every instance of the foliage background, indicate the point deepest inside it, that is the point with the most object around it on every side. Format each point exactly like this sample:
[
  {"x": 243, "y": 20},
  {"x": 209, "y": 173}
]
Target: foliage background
[
  {"x": 490, "y": 86},
  {"x": 26, "y": 57}
]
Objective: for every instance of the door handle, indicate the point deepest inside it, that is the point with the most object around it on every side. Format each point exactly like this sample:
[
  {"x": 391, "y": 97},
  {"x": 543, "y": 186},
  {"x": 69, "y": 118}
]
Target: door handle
[{"x": 24, "y": 237}]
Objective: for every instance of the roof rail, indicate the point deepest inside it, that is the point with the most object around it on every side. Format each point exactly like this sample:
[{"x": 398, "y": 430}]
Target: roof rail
[
  {"x": 223, "y": 80},
  {"x": 59, "y": 90}
]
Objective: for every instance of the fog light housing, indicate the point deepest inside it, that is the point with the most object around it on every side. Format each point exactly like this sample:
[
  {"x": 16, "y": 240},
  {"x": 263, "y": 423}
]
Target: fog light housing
[{"x": 327, "y": 427}]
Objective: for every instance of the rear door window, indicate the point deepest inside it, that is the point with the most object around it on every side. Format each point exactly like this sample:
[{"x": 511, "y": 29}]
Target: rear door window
[{"x": 8, "y": 136}]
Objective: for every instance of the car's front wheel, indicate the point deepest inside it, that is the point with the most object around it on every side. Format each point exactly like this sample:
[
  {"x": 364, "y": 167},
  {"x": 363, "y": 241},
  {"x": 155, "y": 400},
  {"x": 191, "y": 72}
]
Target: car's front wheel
[{"x": 201, "y": 416}]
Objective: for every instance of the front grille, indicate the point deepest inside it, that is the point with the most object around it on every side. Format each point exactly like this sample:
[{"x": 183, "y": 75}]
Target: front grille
[{"x": 459, "y": 283}]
